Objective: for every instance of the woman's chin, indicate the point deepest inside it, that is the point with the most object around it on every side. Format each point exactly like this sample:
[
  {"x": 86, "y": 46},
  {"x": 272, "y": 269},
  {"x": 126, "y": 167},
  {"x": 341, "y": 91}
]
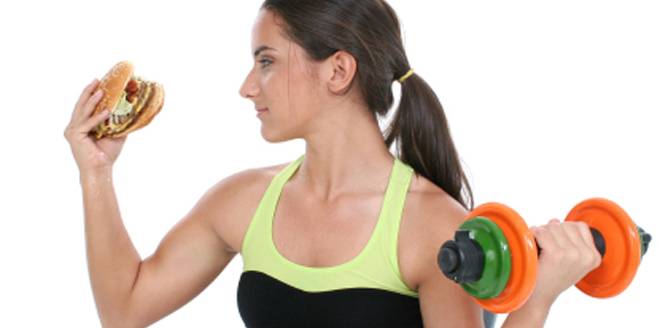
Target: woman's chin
[
  {"x": 273, "y": 137},
  {"x": 267, "y": 135}
]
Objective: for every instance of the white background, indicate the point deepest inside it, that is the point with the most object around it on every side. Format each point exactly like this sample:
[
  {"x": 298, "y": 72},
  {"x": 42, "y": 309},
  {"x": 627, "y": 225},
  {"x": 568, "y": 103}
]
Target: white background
[{"x": 548, "y": 103}]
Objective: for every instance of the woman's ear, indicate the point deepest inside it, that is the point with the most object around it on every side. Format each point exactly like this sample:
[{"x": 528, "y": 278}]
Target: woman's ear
[{"x": 342, "y": 68}]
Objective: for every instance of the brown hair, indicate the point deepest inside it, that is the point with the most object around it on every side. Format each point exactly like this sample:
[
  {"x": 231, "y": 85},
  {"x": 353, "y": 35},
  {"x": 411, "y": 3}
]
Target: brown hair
[{"x": 369, "y": 30}]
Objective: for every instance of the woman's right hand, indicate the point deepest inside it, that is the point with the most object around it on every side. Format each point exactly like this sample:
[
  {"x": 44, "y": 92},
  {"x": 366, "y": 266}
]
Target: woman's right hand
[{"x": 91, "y": 154}]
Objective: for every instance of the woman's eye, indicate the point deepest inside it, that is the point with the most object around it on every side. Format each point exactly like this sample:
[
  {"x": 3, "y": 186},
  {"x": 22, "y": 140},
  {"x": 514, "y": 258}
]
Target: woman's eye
[{"x": 265, "y": 62}]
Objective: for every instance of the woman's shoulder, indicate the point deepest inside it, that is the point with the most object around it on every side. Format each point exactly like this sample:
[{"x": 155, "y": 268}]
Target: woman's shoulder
[
  {"x": 244, "y": 181},
  {"x": 430, "y": 217},
  {"x": 236, "y": 197},
  {"x": 429, "y": 195},
  {"x": 428, "y": 203}
]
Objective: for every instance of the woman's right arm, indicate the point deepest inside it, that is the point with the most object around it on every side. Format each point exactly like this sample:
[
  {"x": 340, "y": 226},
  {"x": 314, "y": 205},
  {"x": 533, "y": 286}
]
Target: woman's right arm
[{"x": 130, "y": 292}]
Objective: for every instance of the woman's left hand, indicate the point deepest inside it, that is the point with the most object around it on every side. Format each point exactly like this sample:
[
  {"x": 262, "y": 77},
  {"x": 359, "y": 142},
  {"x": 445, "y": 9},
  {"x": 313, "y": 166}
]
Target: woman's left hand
[{"x": 567, "y": 254}]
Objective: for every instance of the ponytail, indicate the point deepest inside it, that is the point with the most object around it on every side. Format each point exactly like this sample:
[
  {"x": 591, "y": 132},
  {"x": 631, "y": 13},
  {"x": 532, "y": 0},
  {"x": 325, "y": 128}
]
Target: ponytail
[{"x": 424, "y": 141}]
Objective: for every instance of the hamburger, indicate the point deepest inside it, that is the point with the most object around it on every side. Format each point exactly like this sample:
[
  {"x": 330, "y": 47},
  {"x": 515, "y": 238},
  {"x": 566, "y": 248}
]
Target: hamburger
[{"x": 132, "y": 101}]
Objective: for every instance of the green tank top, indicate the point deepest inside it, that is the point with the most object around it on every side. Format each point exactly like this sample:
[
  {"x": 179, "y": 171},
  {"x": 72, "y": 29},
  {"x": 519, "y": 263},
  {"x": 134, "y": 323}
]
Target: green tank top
[{"x": 375, "y": 267}]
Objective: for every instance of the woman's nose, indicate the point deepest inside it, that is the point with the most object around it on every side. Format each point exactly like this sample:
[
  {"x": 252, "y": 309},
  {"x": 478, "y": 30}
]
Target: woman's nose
[{"x": 248, "y": 89}]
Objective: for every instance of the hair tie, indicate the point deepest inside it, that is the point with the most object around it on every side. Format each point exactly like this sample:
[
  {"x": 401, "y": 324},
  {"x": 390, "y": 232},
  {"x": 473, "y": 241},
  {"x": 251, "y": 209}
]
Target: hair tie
[{"x": 407, "y": 75}]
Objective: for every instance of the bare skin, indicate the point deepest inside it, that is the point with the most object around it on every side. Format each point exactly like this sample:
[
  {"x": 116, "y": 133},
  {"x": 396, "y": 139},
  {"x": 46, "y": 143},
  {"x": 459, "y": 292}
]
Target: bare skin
[{"x": 342, "y": 181}]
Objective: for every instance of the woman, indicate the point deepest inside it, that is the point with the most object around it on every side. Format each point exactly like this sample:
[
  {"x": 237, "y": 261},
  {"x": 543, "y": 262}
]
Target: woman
[{"x": 344, "y": 236}]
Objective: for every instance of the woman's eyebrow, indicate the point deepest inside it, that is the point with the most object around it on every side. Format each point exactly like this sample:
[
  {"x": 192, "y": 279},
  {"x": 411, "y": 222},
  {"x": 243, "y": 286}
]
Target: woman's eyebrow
[{"x": 262, "y": 48}]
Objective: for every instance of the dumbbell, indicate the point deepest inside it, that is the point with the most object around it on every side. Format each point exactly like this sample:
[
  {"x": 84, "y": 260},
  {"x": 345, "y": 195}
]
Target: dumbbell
[{"x": 494, "y": 255}]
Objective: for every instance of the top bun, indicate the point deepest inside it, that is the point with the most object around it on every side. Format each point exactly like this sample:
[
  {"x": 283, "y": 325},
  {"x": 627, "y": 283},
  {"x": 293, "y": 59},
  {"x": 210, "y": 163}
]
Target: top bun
[{"x": 113, "y": 84}]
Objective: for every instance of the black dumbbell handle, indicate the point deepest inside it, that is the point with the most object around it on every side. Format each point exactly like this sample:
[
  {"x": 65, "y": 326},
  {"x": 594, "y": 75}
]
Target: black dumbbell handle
[
  {"x": 599, "y": 241},
  {"x": 645, "y": 238}
]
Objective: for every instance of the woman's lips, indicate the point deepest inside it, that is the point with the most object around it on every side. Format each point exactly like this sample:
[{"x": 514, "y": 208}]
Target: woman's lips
[{"x": 261, "y": 111}]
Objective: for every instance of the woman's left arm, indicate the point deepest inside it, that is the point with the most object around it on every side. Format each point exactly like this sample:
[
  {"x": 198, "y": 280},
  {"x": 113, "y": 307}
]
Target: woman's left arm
[
  {"x": 568, "y": 254},
  {"x": 443, "y": 303}
]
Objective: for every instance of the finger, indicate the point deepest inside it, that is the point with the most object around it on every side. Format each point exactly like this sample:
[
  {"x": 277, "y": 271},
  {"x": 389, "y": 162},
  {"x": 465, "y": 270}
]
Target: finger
[
  {"x": 576, "y": 232},
  {"x": 587, "y": 248},
  {"x": 560, "y": 235},
  {"x": 534, "y": 230},
  {"x": 584, "y": 233},
  {"x": 93, "y": 122},
  {"x": 86, "y": 93},
  {"x": 89, "y": 106},
  {"x": 575, "y": 236},
  {"x": 79, "y": 114},
  {"x": 544, "y": 238}
]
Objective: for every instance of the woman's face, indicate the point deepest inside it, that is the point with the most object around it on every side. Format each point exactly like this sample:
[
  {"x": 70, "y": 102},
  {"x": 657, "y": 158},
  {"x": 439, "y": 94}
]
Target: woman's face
[{"x": 282, "y": 80}]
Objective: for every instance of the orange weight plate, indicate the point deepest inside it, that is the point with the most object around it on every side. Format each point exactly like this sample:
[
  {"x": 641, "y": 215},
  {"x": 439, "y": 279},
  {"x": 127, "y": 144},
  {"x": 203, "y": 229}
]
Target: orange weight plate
[
  {"x": 622, "y": 253},
  {"x": 524, "y": 259}
]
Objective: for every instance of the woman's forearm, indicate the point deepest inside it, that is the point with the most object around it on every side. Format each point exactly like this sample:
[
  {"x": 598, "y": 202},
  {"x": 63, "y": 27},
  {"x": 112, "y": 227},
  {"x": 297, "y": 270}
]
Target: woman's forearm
[
  {"x": 531, "y": 315},
  {"x": 113, "y": 261}
]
